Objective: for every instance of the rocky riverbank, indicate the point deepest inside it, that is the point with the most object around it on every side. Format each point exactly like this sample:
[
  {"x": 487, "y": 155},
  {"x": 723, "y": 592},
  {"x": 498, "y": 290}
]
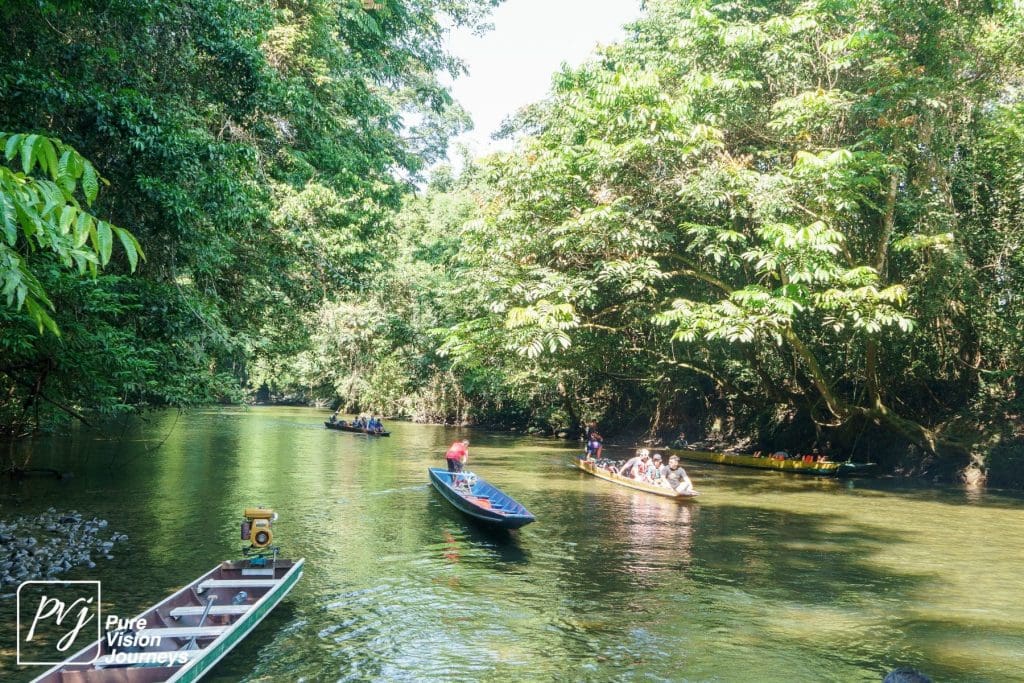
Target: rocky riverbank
[{"x": 43, "y": 546}]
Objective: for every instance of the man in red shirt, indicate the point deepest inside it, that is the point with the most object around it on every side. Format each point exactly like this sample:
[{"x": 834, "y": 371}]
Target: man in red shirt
[{"x": 457, "y": 455}]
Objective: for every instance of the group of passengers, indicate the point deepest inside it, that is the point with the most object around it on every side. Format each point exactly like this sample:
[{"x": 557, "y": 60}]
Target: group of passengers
[
  {"x": 814, "y": 456},
  {"x": 646, "y": 468},
  {"x": 371, "y": 424}
]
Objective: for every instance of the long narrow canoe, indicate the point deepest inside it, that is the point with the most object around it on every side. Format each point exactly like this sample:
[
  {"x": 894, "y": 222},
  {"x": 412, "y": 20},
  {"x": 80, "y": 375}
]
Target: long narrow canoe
[
  {"x": 589, "y": 467},
  {"x": 827, "y": 469},
  {"x": 182, "y": 645},
  {"x": 355, "y": 430},
  {"x": 480, "y": 500}
]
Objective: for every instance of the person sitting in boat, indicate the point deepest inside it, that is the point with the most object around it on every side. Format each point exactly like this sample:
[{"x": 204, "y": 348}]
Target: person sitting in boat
[
  {"x": 674, "y": 477},
  {"x": 644, "y": 471},
  {"x": 334, "y": 417},
  {"x": 594, "y": 445},
  {"x": 457, "y": 455},
  {"x": 640, "y": 461},
  {"x": 780, "y": 455},
  {"x": 375, "y": 425},
  {"x": 654, "y": 470},
  {"x": 680, "y": 441}
]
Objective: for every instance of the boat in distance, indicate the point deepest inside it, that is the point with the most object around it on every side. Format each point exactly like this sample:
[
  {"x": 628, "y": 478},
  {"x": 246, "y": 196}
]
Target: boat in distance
[
  {"x": 590, "y": 467},
  {"x": 827, "y": 468},
  {"x": 186, "y": 634},
  {"x": 355, "y": 430},
  {"x": 478, "y": 499}
]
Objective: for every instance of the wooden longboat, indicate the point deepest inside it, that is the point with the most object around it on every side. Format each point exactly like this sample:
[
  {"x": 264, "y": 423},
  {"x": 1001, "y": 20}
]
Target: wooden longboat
[
  {"x": 480, "y": 500},
  {"x": 590, "y": 467},
  {"x": 821, "y": 469},
  {"x": 354, "y": 430},
  {"x": 183, "y": 645}
]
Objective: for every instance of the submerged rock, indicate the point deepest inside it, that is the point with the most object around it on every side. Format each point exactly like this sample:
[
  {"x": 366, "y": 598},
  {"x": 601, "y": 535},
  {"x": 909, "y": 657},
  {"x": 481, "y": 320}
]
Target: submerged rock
[{"x": 42, "y": 546}]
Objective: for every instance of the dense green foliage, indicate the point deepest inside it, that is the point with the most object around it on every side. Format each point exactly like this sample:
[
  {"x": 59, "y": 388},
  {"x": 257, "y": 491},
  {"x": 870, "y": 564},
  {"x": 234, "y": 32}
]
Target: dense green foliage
[
  {"x": 793, "y": 222},
  {"x": 44, "y": 213},
  {"x": 787, "y": 222},
  {"x": 256, "y": 150},
  {"x": 808, "y": 209}
]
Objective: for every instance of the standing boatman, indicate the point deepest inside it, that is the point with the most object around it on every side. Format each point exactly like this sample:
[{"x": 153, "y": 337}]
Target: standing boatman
[{"x": 457, "y": 455}]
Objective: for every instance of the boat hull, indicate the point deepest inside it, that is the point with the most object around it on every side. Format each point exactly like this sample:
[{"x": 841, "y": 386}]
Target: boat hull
[
  {"x": 483, "y": 502},
  {"x": 820, "y": 469},
  {"x": 180, "y": 613},
  {"x": 352, "y": 430},
  {"x": 590, "y": 468}
]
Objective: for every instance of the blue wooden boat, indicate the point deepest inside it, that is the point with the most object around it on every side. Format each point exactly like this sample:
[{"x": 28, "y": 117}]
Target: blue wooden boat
[{"x": 480, "y": 500}]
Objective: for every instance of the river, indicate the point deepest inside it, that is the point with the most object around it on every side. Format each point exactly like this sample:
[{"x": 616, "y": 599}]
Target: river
[{"x": 766, "y": 577}]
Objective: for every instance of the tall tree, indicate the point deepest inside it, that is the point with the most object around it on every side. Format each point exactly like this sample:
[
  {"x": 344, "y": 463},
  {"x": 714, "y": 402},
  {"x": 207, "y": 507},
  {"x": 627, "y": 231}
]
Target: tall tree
[{"x": 255, "y": 149}]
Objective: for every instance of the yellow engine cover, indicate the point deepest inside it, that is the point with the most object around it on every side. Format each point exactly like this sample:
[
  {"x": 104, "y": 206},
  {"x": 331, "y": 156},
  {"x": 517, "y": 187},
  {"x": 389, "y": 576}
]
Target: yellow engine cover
[{"x": 258, "y": 513}]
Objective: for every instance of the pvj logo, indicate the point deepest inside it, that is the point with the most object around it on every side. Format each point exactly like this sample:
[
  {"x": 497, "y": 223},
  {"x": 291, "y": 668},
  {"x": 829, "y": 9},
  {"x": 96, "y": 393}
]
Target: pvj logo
[{"x": 55, "y": 615}]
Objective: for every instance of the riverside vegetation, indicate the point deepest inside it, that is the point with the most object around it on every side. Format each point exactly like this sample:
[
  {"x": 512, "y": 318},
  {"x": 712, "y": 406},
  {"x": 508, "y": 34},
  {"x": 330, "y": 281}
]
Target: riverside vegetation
[{"x": 778, "y": 223}]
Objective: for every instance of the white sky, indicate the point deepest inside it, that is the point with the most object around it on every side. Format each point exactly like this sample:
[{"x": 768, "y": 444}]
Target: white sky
[{"x": 512, "y": 65}]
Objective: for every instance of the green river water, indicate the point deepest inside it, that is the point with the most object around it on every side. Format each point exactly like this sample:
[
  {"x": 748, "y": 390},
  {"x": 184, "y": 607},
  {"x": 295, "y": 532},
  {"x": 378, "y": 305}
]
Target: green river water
[{"x": 765, "y": 577}]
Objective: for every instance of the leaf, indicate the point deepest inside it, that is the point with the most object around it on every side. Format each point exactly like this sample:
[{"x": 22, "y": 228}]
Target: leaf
[
  {"x": 83, "y": 227},
  {"x": 131, "y": 246},
  {"x": 63, "y": 166},
  {"x": 105, "y": 240},
  {"x": 42, "y": 318},
  {"x": 8, "y": 219},
  {"x": 28, "y": 150},
  {"x": 11, "y": 150},
  {"x": 49, "y": 155},
  {"x": 90, "y": 183},
  {"x": 67, "y": 216}
]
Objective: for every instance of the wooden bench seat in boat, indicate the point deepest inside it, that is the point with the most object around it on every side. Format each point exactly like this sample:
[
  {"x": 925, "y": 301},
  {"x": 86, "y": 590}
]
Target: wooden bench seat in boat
[
  {"x": 258, "y": 571},
  {"x": 216, "y": 610},
  {"x": 183, "y": 632},
  {"x": 237, "y": 583}
]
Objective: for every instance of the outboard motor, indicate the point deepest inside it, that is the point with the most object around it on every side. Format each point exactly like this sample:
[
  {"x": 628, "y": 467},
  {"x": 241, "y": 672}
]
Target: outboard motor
[{"x": 256, "y": 527}]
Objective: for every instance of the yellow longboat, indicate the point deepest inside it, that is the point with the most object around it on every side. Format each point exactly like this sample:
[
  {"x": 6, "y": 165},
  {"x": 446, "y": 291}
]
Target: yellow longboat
[
  {"x": 590, "y": 468},
  {"x": 826, "y": 469}
]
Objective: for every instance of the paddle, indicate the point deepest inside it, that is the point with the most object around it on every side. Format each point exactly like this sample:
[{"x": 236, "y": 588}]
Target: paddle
[{"x": 209, "y": 603}]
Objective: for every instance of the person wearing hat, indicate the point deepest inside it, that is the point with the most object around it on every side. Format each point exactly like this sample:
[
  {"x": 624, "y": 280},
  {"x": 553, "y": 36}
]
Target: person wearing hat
[{"x": 654, "y": 471}]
